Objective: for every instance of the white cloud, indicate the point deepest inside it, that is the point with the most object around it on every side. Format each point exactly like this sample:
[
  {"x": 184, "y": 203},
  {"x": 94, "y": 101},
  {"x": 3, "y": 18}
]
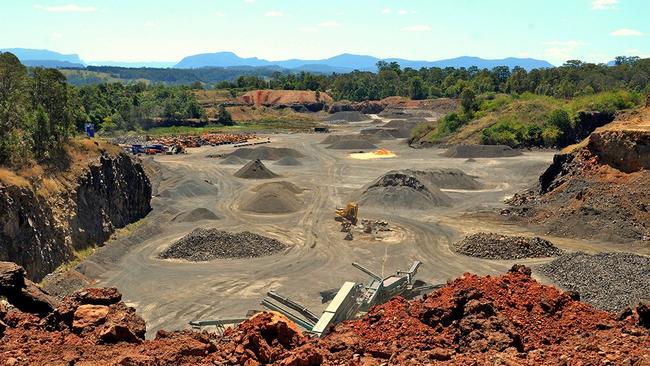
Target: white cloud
[
  {"x": 69, "y": 8},
  {"x": 249, "y": 1},
  {"x": 309, "y": 29},
  {"x": 603, "y": 4},
  {"x": 562, "y": 50},
  {"x": 386, "y": 11},
  {"x": 330, "y": 24},
  {"x": 274, "y": 13},
  {"x": 55, "y": 36},
  {"x": 626, "y": 32},
  {"x": 417, "y": 28}
]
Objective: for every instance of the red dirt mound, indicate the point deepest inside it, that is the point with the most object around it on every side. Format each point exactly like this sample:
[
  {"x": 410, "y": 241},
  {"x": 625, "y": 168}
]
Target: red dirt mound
[
  {"x": 286, "y": 97},
  {"x": 506, "y": 320}
]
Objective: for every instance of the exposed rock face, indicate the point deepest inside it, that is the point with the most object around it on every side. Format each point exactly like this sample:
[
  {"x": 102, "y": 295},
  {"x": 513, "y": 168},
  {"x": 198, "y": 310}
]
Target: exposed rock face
[
  {"x": 40, "y": 233},
  {"x": 365, "y": 107},
  {"x": 298, "y": 100},
  {"x": 597, "y": 188},
  {"x": 23, "y": 293}
]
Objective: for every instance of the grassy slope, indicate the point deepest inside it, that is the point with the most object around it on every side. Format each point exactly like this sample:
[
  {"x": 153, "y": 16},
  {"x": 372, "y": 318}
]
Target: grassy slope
[{"x": 527, "y": 109}]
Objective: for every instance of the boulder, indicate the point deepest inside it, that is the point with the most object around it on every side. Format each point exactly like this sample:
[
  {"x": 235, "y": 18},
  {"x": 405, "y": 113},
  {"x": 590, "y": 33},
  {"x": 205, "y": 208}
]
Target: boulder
[
  {"x": 643, "y": 312},
  {"x": 22, "y": 293},
  {"x": 89, "y": 315}
]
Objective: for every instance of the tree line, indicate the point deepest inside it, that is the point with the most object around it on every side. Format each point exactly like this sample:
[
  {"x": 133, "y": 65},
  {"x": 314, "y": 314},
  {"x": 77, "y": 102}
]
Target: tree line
[
  {"x": 40, "y": 111},
  {"x": 574, "y": 78}
]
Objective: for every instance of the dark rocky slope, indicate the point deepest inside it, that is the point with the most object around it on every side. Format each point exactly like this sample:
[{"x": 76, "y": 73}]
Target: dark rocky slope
[{"x": 40, "y": 233}]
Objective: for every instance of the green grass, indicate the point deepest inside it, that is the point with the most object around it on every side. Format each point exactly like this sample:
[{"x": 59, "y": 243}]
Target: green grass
[{"x": 240, "y": 127}]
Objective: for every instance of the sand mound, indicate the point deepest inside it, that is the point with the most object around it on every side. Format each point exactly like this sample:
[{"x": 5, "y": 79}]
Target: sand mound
[
  {"x": 370, "y": 131},
  {"x": 265, "y": 153},
  {"x": 255, "y": 169},
  {"x": 196, "y": 214},
  {"x": 496, "y": 246},
  {"x": 232, "y": 160},
  {"x": 275, "y": 197},
  {"x": 400, "y": 123},
  {"x": 348, "y": 116},
  {"x": 288, "y": 161},
  {"x": 190, "y": 187},
  {"x": 481, "y": 151},
  {"x": 448, "y": 178},
  {"x": 403, "y": 189},
  {"x": 352, "y": 145}
]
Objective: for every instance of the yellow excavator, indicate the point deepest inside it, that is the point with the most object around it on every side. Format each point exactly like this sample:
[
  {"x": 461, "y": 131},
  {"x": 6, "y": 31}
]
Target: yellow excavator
[{"x": 350, "y": 212}]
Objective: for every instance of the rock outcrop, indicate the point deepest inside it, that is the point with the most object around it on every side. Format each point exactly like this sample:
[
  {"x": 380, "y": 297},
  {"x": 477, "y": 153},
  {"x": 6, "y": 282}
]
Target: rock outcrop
[
  {"x": 22, "y": 293},
  {"x": 597, "y": 188},
  {"x": 503, "y": 320},
  {"x": 298, "y": 100},
  {"x": 40, "y": 233}
]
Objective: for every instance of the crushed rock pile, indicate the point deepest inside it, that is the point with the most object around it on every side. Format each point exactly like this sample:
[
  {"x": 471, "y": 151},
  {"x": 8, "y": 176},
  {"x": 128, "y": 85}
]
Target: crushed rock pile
[
  {"x": 403, "y": 189},
  {"x": 274, "y": 197},
  {"x": 496, "y": 246},
  {"x": 347, "y": 116},
  {"x": 232, "y": 160},
  {"x": 448, "y": 178},
  {"x": 265, "y": 153},
  {"x": 504, "y": 320},
  {"x": 208, "y": 244},
  {"x": 331, "y": 139},
  {"x": 480, "y": 151},
  {"x": 608, "y": 281},
  {"x": 288, "y": 161},
  {"x": 197, "y": 214},
  {"x": 255, "y": 169}
]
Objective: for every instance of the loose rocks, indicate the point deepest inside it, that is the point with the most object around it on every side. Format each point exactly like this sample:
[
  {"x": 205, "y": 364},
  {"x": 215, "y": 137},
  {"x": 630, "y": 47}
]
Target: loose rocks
[
  {"x": 348, "y": 116},
  {"x": 265, "y": 153},
  {"x": 403, "y": 189},
  {"x": 480, "y": 151},
  {"x": 232, "y": 160},
  {"x": 609, "y": 281},
  {"x": 275, "y": 197},
  {"x": 288, "y": 161},
  {"x": 208, "y": 244},
  {"x": 255, "y": 169},
  {"x": 495, "y": 246},
  {"x": 195, "y": 215}
]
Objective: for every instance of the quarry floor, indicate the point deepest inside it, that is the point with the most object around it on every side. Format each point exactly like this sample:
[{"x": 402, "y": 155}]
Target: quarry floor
[{"x": 170, "y": 293}]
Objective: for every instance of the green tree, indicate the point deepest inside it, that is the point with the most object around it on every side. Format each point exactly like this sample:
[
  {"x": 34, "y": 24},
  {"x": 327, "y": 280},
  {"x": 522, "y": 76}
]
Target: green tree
[
  {"x": 416, "y": 89},
  {"x": 42, "y": 137},
  {"x": 468, "y": 101},
  {"x": 13, "y": 105},
  {"x": 223, "y": 116}
]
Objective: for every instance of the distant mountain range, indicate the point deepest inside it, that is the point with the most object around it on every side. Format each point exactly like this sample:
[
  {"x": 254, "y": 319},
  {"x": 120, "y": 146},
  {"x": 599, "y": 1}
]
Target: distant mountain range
[
  {"x": 45, "y": 58},
  {"x": 341, "y": 64},
  {"x": 348, "y": 62}
]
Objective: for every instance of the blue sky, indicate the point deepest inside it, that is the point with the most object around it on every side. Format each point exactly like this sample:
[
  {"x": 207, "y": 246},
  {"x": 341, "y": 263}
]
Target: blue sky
[{"x": 167, "y": 30}]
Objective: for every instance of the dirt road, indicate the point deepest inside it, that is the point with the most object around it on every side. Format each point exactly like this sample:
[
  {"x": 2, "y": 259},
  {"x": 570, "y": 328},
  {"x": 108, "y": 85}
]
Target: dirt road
[{"x": 169, "y": 293}]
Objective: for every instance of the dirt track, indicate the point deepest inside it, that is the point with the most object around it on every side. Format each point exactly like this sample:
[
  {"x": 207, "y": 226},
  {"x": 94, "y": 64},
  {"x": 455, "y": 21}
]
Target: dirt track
[{"x": 170, "y": 293}]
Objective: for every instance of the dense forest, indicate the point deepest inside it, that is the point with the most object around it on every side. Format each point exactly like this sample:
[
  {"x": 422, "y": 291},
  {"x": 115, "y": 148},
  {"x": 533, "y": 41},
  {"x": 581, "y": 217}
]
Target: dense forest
[
  {"x": 40, "y": 111},
  {"x": 574, "y": 78}
]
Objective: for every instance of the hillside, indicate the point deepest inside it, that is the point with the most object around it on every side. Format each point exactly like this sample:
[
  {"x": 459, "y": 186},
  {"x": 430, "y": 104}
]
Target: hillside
[
  {"x": 526, "y": 121},
  {"x": 598, "y": 188},
  {"x": 348, "y": 62}
]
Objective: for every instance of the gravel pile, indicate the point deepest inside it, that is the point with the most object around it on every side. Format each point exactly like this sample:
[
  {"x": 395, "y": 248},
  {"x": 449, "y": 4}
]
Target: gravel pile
[
  {"x": 232, "y": 160},
  {"x": 608, "y": 281},
  {"x": 265, "y": 153},
  {"x": 255, "y": 169},
  {"x": 403, "y": 190},
  {"x": 208, "y": 244},
  {"x": 496, "y": 246},
  {"x": 331, "y": 139},
  {"x": 274, "y": 198},
  {"x": 348, "y": 116},
  {"x": 481, "y": 151},
  {"x": 288, "y": 161},
  {"x": 197, "y": 214}
]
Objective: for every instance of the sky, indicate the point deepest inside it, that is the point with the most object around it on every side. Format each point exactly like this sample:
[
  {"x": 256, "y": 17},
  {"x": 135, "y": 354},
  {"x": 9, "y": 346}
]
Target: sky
[{"x": 168, "y": 30}]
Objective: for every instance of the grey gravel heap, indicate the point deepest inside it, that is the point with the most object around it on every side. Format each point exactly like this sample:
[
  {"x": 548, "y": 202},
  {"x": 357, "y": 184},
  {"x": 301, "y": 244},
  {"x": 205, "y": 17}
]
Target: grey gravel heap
[
  {"x": 208, "y": 244},
  {"x": 608, "y": 281},
  {"x": 496, "y": 246}
]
